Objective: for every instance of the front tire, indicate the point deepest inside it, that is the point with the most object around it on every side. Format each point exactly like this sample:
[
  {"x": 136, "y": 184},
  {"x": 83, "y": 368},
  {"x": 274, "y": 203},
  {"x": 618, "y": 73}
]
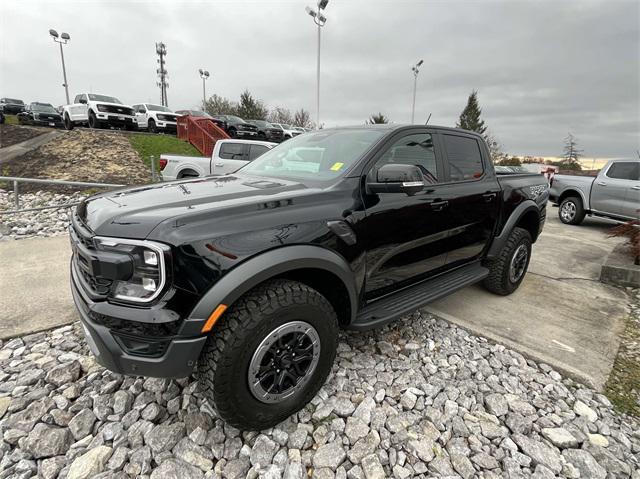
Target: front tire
[
  {"x": 249, "y": 370},
  {"x": 68, "y": 124},
  {"x": 507, "y": 271},
  {"x": 93, "y": 120},
  {"x": 571, "y": 211},
  {"x": 232, "y": 132},
  {"x": 152, "y": 127}
]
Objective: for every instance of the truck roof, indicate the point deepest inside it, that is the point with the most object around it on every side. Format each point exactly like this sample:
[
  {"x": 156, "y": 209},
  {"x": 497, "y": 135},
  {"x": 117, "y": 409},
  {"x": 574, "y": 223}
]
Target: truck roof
[{"x": 401, "y": 126}]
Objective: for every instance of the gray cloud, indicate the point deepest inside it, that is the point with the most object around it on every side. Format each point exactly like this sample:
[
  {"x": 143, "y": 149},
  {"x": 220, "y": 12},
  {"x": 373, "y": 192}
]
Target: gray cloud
[{"x": 541, "y": 68}]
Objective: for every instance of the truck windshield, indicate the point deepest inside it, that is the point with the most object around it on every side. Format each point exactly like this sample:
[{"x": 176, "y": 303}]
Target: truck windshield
[
  {"x": 44, "y": 107},
  {"x": 158, "y": 108},
  {"x": 321, "y": 155},
  {"x": 108, "y": 99}
]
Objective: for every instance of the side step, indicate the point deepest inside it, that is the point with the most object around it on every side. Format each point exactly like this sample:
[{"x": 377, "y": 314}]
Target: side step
[{"x": 391, "y": 307}]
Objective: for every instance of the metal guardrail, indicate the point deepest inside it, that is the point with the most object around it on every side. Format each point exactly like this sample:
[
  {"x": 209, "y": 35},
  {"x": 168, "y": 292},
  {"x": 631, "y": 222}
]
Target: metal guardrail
[{"x": 16, "y": 193}]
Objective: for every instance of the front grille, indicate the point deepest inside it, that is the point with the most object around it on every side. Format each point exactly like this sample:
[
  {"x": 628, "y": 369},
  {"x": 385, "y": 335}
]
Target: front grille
[
  {"x": 97, "y": 287},
  {"x": 248, "y": 127},
  {"x": 167, "y": 117},
  {"x": 135, "y": 328},
  {"x": 120, "y": 110}
]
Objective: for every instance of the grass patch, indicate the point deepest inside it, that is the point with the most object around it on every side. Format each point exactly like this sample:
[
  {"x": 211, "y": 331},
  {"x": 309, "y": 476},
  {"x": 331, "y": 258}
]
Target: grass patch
[
  {"x": 10, "y": 119},
  {"x": 623, "y": 385},
  {"x": 155, "y": 145}
]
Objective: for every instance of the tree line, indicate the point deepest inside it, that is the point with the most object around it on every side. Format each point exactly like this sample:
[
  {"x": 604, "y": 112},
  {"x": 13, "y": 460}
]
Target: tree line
[
  {"x": 250, "y": 108},
  {"x": 470, "y": 119}
]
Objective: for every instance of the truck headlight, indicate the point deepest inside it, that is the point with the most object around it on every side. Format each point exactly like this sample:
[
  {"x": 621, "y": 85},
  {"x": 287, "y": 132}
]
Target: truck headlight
[
  {"x": 102, "y": 108},
  {"x": 149, "y": 274}
]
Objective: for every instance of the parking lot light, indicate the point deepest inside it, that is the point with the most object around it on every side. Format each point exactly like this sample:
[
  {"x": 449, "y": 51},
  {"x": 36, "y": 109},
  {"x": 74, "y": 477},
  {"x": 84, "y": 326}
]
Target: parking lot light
[
  {"x": 319, "y": 19},
  {"x": 415, "y": 69},
  {"x": 62, "y": 39},
  {"x": 204, "y": 74}
]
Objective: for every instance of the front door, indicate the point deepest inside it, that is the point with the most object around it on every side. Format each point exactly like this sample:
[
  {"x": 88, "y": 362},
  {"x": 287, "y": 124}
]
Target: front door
[
  {"x": 141, "y": 116},
  {"x": 404, "y": 235},
  {"x": 473, "y": 194}
]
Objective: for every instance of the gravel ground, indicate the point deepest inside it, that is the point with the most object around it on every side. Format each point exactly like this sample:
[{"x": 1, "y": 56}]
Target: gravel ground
[
  {"x": 417, "y": 398},
  {"x": 35, "y": 223}
]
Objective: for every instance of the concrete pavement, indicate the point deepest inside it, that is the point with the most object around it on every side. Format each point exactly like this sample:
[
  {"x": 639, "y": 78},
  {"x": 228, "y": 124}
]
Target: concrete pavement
[
  {"x": 34, "y": 285},
  {"x": 561, "y": 314},
  {"x": 9, "y": 152}
]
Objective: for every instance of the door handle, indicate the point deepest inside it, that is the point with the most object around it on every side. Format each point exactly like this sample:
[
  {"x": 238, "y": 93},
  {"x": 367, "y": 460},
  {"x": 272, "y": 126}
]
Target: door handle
[
  {"x": 439, "y": 205},
  {"x": 488, "y": 197},
  {"x": 602, "y": 183}
]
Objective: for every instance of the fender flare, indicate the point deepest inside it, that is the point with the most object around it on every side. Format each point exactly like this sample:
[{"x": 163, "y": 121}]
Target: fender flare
[
  {"x": 499, "y": 241},
  {"x": 579, "y": 193},
  {"x": 231, "y": 286}
]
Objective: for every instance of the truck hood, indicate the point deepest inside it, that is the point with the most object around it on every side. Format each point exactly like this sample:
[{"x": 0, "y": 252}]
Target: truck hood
[{"x": 135, "y": 212}]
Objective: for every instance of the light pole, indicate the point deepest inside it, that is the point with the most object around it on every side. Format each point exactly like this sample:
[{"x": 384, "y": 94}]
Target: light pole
[
  {"x": 415, "y": 70},
  {"x": 319, "y": 19},
  {"x": 204, "y": 74},
  {"x": 64, "y": 38}
]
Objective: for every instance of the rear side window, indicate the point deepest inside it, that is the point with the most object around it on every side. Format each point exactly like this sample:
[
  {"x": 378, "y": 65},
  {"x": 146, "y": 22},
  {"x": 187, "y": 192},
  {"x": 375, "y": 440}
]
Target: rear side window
[
  {"x": 256, "y": 150},
  {"x": 464, "y": 158},
  {"x": 232, "y": 151},
  {"x": 624, "y": 170}
]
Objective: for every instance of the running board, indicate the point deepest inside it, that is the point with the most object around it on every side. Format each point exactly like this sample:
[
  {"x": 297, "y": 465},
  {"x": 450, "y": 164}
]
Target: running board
[{"x": 391, "y": 307}]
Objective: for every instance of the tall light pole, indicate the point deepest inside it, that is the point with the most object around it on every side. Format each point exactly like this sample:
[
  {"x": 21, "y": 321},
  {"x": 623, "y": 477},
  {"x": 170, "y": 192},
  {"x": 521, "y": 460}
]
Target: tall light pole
[
  {"x": 62, "y": 39},
  {"x": 415, "y": 69},
  {"x": 319, "y": 19},
  {"x": 204, "y": 74}
]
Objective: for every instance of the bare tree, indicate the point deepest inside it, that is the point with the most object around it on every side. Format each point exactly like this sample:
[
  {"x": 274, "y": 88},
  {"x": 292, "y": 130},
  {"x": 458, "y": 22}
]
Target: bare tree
[
  {"x": 218, "y": 105},
  {"x": 280, "y": 115},
  {"x": 495, "y": 147},
  {"x": 572, "y": 154},
  {"x": 377, "y": 119},
  {"x": 302, "y": 118}
]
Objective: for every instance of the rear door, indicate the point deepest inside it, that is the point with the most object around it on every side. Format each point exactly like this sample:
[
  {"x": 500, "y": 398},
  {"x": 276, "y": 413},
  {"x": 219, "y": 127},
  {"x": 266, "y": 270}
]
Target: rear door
[
  {"x": 404, "y": 235},
  {"x": 256, "y": 150},
  {"x": 473, "y": 194},
  {"x": 231, "y": 157},
  {"x": 612, "y": 188}
]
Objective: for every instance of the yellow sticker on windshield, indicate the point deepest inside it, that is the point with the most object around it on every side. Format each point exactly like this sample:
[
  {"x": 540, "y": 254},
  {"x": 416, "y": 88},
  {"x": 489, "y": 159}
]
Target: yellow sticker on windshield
[{"x": 337, "y": 166}]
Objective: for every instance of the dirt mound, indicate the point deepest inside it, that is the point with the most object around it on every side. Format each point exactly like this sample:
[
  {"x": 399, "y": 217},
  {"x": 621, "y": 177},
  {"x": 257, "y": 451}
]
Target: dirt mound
[
  {"x": 81, "y": 155},
  {"x": 12, "y": 134}
]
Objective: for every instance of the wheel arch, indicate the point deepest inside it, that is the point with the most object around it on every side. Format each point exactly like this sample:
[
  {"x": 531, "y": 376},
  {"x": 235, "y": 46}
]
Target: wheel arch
[
  {"x": 572, "y": 192},
  {"x": 186, "y": 171},
  {"x": 317, "y": 267},
  {"x": 527, "y": 216}
]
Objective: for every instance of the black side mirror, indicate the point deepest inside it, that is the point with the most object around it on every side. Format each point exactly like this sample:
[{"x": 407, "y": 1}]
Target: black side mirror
[
  {"x": 83, "y": 101},
  {"x": 397, "y": 178}
]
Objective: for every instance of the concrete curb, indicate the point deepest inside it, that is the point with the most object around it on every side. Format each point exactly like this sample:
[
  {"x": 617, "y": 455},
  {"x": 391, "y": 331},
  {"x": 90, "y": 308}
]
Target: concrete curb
[{"x": 619, "y": 270}]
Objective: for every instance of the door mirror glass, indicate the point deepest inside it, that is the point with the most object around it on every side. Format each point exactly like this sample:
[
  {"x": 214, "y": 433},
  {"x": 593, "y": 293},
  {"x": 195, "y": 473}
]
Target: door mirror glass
[{"x": 397, "y": 178}]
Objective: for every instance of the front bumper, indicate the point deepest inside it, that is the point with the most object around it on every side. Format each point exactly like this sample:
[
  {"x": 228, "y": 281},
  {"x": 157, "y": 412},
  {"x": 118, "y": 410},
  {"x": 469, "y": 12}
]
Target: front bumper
[
  {"x": 246, "y": 134},
  {"x": 167, "y": 126},
  {"x": 125, "y": 353},
  {"x": 56, "y": 123},
  {"x": 116, "y": 120}
]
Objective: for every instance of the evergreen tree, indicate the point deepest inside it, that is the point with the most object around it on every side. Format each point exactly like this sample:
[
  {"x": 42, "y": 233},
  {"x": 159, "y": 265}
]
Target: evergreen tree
[
  {"x": 572, "y": 154},
  {"x": 251, "y": 109},
  {"x": 377, "y": 119},
  {"x": 470, "y": 116}
]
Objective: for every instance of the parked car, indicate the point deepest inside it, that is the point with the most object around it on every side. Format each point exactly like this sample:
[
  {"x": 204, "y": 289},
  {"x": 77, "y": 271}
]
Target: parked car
[
  {"x": 250, "y": 276},
  {"x": 37, "y": 113},
  {"x": 155, "y": 118},
  {"x": 228, "y": 156},
  {"x": 98, "y": 111},
  {"x": 268, "y": 132},
  {"x": 192, "y": 113},
  {"x": 614, "y": 193},
  {"x": 236, "y": 127},
  {"x": 287, "y": 130},
  {"x": 11, "y": 105}
]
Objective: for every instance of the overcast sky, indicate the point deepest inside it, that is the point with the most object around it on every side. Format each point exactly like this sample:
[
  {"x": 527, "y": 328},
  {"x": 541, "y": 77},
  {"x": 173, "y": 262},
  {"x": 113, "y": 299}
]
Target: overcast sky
[{"x": 542, "y": 68}]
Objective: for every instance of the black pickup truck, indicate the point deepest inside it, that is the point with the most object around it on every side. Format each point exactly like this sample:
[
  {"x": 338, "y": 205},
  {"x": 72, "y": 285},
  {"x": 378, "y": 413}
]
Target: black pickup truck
[{"x": 247, "y": 278}]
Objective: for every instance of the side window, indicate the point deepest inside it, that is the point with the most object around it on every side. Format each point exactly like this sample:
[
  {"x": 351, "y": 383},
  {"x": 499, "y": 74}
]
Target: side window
[
  {"x": 624, "y": 170},
  {"x": 256, "y": 150},
  {"x": 415, "y": 150},
  {"x": 231, "y": 151},
  {"x": 77, "y": 99},
  {"x": 464, "y": 157},
  {"x": 83, "y": 97}
]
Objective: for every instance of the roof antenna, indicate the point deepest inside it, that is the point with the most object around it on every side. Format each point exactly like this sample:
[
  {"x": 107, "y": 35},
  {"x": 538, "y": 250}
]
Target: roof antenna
[{"x": 429, "y": 118}]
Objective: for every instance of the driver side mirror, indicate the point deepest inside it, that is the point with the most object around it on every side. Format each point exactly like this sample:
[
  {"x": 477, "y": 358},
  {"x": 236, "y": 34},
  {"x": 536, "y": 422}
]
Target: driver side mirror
[
  {"x": 83, "y": 101},
  {"x": 397, "y": 178}
]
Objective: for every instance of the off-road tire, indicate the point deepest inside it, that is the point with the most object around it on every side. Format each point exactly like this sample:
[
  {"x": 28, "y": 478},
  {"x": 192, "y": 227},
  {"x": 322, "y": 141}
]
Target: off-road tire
[
  {"x": 68, "y": 124},
  {"x": 93, "y": 121},
  {"x": 499, "y": 281},
  {"x": 233, "y": 133},
  {"x": 224, "y": 363},
  {"x": 579, "y": 214},
  {"x": 151, "y": 127}
]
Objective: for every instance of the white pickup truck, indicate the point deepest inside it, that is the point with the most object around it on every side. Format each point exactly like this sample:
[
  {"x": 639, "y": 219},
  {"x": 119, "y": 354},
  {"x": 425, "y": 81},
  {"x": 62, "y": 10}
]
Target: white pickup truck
[
  {"x": 614, "y": 193},
  {"x": 98, "y": 111},
  {"x": 228, "y": 156}
]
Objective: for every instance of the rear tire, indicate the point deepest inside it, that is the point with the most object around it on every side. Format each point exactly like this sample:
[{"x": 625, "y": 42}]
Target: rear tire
[
  {"x": 507, "y": 271},
  {"x": 68, "y": 124},
  {"x": 571, "y": 211},
  {"x": 238, "y": 368}
]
